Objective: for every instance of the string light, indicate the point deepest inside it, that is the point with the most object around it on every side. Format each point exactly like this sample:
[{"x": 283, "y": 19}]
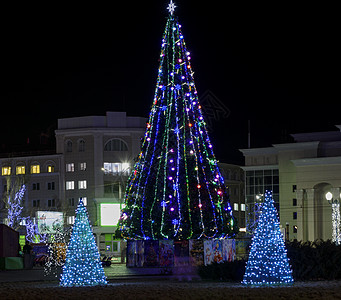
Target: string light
[
  {"x": 268, "y": 263},
  {"x": 15, "y": 208},
  {"x": 172, "y": 192},
  {"x": 83, "y": 265}
]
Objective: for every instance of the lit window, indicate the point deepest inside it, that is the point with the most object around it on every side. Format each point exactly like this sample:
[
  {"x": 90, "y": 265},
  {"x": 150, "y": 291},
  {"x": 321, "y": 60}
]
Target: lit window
[
  {"x": 50, "y": 169},
  {"x": 82, "y": 184},
  {"x": 35, "y": 169},
  {"x": 110, "y": 213},
  {"x": 6, "y": 171},
  {"x": 85, "y": 200},
  {"x": 70, "y": 185},
  {"x": 20, "y": 170},
  {"x": 242, "y": 207},
  {"x": 70, "y": 167},
  {"x": 71, "y": 220},
  {"x": 125, "y": 167},
  {"x": 116, "y": 168},
  {"x": 82, "y": 166},
  {"x": 235, "y": 206}
]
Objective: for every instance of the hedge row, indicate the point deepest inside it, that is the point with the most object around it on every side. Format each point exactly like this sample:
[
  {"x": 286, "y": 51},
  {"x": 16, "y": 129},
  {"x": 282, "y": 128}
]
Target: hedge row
[
  {"x": 319, "y": 260},
  {"x": 315, "y": 260}
]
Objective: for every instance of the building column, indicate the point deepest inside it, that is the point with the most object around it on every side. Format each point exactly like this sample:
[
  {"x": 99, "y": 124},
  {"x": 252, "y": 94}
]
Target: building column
[
  {"x": 301, "y": 218},
  {"x": 310, "y": 214},
  {"x": 336, "y": 193},
  {"x": 98, "y": 173}
]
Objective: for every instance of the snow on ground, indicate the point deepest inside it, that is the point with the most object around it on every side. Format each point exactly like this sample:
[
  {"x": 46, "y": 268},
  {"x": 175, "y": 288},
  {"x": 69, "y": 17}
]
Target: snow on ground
[{"x": 151, "y": 289}]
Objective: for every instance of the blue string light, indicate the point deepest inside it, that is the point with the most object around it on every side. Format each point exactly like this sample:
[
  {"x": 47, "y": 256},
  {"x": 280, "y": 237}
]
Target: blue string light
[
  {"x": 83, "y": 265},
  {"x": 268, "y": 263}
]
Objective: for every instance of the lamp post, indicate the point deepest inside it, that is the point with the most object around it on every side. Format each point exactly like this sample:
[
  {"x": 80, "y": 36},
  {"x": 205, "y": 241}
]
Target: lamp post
[{"x": 335, "y": 203}]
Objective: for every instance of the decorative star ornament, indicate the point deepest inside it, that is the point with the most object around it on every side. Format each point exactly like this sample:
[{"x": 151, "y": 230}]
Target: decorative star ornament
[{"x": 171, "y": 7}]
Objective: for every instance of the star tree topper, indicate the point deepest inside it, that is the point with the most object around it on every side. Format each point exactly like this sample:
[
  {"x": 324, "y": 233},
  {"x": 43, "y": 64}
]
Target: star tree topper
[{"x": 171, "y": 7}]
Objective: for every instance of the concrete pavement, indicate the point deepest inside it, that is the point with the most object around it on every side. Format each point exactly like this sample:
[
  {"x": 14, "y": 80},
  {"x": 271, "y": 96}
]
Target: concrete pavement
[{"x": 114, "y": 272}]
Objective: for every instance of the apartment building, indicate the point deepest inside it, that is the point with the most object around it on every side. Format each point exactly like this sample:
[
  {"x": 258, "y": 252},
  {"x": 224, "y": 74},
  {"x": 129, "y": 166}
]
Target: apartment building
[{"x": 92, "y": 161}]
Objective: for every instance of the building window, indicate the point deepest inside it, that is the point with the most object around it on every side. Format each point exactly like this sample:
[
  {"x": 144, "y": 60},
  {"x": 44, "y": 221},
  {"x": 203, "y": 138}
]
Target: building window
[
  {"x": 68, "y": 146},
  {"x": 35, "y": 169},
  {"x": 70, "y": 167},
  {"x": 82, "y": 184},
  {"x": 36, "y": 186},
  {"x": 115, "y": 145},
  {"x": 294, "y": 229},
  {"x": 6, "y": 171},
  {"x": 51, "y": 203},
  {"x": 294, "y": 188},
  {"x": 50, "y": 169},
  {"x": 20, "y": 170},
  {"x": 85, "y": 200},
  {"x": 256, "y": 183},
  {"x": 235, "y": 206},
  {"x": 81, "y": 146},
  {"x": 70, "y": 185},
  {"x": 110, "y": 244},
  {"x": 71, "y": 220},
  {"x": 36, "y": 203},
  {"x": 294, "y": 215},
  {"x": 242, "y": 207},
  {"x": 294, "y": 202},
  {"x": 82, "y": 166},
  {"x": 50, "y": 185},
  {"x": 116, "y": 168}
]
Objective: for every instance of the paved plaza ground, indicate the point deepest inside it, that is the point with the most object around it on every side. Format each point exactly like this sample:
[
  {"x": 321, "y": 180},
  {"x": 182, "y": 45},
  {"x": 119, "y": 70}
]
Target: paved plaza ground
[{"x": 150, "y": 284}]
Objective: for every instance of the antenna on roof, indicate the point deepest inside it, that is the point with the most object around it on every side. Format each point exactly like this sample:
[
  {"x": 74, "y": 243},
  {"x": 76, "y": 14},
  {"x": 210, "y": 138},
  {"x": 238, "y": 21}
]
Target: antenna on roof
[{"x": 249, "y": 134}]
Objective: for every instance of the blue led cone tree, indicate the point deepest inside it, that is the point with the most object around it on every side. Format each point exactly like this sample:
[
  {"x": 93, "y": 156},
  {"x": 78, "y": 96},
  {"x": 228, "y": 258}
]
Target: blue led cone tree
[
  {"x": 83, "y": 265},
  {"x": 176, "y": 190},
  {"x": 268, "y": 263}
]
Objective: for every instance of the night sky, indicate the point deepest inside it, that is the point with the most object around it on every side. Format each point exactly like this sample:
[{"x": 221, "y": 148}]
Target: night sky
[{"x": 275, "y": 64}]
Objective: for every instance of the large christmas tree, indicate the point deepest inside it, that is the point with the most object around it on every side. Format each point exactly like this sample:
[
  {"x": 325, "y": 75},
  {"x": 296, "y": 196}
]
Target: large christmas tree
[
  {"x": 268, "y": 262},
  {"x": 83, "y": 265},
  {"x": 176, "y": 190}
]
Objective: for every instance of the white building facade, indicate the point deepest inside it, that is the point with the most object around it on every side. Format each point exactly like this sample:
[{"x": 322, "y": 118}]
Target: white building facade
[
  {"x": 299, "y": 174},
  {"x": 93, "y": 159}
]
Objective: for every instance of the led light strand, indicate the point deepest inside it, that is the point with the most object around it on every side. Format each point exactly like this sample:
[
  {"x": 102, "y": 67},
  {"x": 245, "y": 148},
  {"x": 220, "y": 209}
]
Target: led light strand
[
  {"x": 268, "y": 263},
  {"x": 83, "y": 265}
]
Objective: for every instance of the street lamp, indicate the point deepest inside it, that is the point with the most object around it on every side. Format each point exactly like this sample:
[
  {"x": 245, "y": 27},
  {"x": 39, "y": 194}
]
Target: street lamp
[{"x": 335, "y": 203}]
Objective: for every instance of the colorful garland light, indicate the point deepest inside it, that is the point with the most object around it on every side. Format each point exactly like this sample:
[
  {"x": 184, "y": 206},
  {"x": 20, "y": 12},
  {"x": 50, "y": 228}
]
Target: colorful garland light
[{"x": 176, "y": 190}]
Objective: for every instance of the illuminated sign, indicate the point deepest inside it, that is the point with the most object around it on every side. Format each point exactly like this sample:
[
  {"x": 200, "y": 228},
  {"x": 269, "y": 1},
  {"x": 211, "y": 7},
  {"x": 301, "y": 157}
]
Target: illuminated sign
[
  {"x": 49, "y": 221},
  {"x": 110, "y": 213}
]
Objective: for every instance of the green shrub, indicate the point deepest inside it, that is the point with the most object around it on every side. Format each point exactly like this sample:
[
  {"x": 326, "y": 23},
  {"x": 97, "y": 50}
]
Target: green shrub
[{"x": 319, "y": 260}]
